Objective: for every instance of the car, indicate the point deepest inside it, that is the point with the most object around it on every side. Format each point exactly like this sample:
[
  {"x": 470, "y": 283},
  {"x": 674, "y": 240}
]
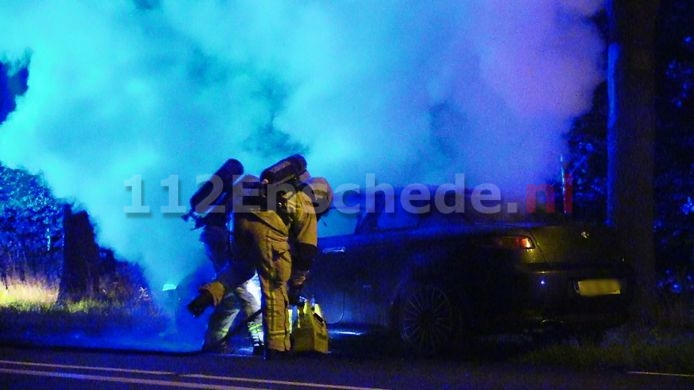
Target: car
[{"x": 436, "y": 276}]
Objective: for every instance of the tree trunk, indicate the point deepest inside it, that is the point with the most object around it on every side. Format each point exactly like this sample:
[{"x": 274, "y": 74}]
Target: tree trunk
[
  {"x": 81, "y": 255},
  {"x": 631, "y": 135}
]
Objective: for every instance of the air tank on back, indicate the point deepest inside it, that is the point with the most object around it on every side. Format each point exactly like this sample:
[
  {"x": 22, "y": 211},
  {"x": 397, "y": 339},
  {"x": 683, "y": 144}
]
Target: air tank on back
[
  {"x": 284, "y": 170},
  {"x": 214, "y": 190}
]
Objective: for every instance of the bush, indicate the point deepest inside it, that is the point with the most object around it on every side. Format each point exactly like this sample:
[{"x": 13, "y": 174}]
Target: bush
[{"x": 676, "y": 299}]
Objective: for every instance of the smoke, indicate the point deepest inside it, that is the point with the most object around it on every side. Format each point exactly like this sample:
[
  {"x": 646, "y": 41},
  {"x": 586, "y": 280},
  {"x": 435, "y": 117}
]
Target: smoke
[{"x": 128, "y": 92}]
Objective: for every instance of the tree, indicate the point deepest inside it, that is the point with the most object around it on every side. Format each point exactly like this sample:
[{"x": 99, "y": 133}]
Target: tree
[
  {"x": 12, "y": 83},
  {"x": 81, "y": 255},
  {"x": 674, "y": 226},
  {"x": 630, "y": 139},
  {"x": 587, "y": 162},
  {"x": 30, "y": 228}
]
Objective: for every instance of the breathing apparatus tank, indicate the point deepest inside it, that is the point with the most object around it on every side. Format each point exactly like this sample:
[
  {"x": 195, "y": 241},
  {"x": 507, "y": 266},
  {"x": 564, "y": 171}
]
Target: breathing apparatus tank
[
  {"x": 289, "y": 168},
  {"x": 214, "y": 191}
]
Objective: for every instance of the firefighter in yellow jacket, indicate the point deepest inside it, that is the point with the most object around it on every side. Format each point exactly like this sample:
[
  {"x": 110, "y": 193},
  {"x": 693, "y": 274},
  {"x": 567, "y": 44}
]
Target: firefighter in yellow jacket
[
  {"x": 232, "y": 272},
  {"x": 275, "y": 229}
]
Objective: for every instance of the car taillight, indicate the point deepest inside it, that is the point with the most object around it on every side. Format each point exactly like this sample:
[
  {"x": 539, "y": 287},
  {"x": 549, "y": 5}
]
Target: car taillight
[{"x": 515, "y": 242}]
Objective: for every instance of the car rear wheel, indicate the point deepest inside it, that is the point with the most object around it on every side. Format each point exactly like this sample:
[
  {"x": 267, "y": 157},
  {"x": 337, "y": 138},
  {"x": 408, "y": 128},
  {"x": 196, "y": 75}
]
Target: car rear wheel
[{"x": 428, "y": 320}]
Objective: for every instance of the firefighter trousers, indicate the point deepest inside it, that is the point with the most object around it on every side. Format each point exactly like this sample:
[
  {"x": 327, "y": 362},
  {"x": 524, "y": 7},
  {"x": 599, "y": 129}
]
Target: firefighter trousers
[{"x": 268, "y": 248}]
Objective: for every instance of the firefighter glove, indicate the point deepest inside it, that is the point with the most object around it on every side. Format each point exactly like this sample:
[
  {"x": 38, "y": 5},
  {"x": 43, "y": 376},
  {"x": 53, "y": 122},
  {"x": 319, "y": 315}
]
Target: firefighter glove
[
  {"x": 198, "y": 305},
  {"x": 294, "y": 294}
]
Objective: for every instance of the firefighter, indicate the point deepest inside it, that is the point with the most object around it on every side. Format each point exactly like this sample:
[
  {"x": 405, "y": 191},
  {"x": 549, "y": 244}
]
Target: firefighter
[
  {"x": 276, "y": 232},
  {"x": 281, "y": 240},
  {"x": 238, "y": 275}
]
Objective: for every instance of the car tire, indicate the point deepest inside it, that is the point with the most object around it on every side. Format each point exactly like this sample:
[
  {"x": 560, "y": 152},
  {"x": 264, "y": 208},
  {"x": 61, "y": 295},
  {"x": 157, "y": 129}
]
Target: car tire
[{"x": 428, "y": 320}]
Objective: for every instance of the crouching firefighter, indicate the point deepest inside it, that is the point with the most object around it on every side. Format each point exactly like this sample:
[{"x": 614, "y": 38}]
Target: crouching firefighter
[
  {"x": 276, "y": 231},
  {"x": 214, "y": 219}
]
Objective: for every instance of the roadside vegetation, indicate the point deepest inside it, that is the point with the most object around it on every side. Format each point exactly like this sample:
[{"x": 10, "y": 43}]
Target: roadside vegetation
[
  {"x": 665, "y": 346},
  {"x": 45, "y": 288},
  {"x": 662, "y": 349}
]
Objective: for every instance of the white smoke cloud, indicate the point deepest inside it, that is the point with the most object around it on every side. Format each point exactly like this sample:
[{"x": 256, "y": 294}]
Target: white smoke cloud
[{"x": 411, "y": 91}]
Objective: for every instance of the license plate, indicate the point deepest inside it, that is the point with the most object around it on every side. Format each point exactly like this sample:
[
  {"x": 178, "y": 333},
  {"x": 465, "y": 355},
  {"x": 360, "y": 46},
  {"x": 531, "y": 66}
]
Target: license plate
[{"x": 598, "y": 287}]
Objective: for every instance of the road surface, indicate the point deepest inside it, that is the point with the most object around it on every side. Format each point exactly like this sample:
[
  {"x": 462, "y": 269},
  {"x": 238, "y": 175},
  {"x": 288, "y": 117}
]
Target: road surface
[{"x": 56, "y": 368}]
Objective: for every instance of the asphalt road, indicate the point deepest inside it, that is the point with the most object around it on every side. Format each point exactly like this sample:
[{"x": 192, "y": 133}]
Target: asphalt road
[{"x": 61, "y": 368}]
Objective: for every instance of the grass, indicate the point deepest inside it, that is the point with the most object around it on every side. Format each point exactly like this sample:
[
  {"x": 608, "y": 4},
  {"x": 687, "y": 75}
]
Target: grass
[
  {"x": 31, "y": 315},
  {"x": 37, "y": 295},
  {"x": 657, "y": 349},
  {"x": 665, "y": 346},
  {"x": 29, "y": 295}
]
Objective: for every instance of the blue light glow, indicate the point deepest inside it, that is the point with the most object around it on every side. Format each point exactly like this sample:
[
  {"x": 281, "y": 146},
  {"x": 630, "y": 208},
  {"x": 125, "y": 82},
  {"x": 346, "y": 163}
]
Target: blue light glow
[{"x": 411, "y": 91}]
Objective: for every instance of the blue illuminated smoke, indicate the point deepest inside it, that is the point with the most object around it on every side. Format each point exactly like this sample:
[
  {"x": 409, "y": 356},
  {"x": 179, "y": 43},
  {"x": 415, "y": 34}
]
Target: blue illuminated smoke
[{"x": 411, "y": 91}]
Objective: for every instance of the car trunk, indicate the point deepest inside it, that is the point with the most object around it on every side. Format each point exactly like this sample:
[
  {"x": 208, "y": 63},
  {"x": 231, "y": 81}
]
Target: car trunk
[
  {"x": 579, "y": 244},
  {"x": 579, "y": 275}
]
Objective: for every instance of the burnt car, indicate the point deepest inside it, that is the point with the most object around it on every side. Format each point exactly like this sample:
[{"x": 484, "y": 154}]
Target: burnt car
[{"x": 436, "y": 275}]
